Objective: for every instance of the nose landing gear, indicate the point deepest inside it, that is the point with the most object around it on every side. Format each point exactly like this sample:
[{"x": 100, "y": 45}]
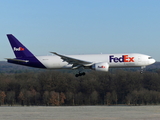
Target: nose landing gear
[{"x": 142, "y": 69}]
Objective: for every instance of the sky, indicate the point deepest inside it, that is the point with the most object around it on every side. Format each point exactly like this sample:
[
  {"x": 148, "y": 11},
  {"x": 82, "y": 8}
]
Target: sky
[{"x": 81, "y": 26}]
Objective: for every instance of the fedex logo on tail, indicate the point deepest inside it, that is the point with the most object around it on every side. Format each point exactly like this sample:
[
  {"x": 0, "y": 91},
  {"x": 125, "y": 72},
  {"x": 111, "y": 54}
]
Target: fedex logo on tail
[
  {"x": 18, "y": 49},
  {"x": 124, "y": 58}
]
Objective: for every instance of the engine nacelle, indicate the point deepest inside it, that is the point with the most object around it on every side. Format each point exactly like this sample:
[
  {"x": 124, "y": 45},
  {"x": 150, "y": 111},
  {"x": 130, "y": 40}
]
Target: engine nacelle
[{"x": 102, "y": 66}]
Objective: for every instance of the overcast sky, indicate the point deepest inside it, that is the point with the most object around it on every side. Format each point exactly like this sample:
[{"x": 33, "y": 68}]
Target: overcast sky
[{"x": 81, "y": 26}]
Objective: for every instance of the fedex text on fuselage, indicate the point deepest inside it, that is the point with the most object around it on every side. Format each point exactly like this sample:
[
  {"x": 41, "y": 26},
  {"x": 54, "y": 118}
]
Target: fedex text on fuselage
[{"x": 124, "y": 58}]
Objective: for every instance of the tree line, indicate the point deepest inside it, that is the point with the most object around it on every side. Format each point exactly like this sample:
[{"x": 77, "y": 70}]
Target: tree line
[{"x": 53, "y": 88}]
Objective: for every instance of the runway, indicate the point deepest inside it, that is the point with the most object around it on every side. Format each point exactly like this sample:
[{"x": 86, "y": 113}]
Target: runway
[{"x": 81, "y": 113}]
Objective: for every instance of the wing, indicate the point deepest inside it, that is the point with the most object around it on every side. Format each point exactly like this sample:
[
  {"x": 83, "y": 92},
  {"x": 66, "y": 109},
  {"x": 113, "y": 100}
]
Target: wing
[{"x": 77, "y": 63}]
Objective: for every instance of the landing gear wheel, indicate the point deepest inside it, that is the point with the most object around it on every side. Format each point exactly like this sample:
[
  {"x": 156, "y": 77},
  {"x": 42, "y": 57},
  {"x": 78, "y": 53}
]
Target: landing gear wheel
[
  {"x": 80, "y": 74},
  {"x": 83, "y": 73},
  {"x": 76, "y": 75}
]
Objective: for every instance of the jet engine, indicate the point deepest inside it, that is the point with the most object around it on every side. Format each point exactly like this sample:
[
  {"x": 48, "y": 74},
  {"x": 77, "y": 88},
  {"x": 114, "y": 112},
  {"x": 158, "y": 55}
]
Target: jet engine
[{"x": 102, "y": 66}]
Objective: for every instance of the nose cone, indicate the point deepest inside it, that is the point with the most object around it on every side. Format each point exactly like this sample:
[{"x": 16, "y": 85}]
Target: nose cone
[{"x": 152, "y": 61}]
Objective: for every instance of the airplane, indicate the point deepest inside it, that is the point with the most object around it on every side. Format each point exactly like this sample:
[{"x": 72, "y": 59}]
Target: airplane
[{"x": 97, "y": 62}]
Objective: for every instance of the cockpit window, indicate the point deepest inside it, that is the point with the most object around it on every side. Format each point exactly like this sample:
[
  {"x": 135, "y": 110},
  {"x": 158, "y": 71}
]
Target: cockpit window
[{"x": 149, "y": 57}]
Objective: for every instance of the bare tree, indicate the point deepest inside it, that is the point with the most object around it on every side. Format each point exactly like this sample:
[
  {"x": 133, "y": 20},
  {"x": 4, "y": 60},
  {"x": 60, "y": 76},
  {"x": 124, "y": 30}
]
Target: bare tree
[
  {"x": 10, "y": 97},
  {"x": 2, "y": 97}
]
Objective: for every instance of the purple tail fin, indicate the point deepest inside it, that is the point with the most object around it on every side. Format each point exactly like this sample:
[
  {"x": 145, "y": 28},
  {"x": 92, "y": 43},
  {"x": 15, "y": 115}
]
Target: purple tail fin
[{"x": 19, "y": 49}]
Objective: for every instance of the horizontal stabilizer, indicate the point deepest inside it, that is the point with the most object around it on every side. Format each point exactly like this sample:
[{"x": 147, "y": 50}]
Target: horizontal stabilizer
[{"x": 17, "y": 60}]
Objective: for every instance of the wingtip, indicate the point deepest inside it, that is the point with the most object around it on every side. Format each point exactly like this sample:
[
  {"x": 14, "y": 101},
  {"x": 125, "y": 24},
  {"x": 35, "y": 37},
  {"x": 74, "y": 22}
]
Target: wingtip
[{"x": 53, "y": 52}]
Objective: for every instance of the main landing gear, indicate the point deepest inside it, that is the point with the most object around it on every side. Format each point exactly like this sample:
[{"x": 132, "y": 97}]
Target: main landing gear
[{"x": 80, "y": 74}]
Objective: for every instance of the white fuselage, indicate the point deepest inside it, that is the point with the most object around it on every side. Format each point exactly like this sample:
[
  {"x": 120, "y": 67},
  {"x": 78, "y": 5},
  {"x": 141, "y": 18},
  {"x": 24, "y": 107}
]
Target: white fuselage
[{"x": 113, "y": 60}]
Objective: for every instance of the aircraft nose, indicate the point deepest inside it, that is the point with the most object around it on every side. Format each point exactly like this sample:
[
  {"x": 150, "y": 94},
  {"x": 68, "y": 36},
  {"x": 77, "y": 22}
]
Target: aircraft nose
[{"x": 153, "y": 61}]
